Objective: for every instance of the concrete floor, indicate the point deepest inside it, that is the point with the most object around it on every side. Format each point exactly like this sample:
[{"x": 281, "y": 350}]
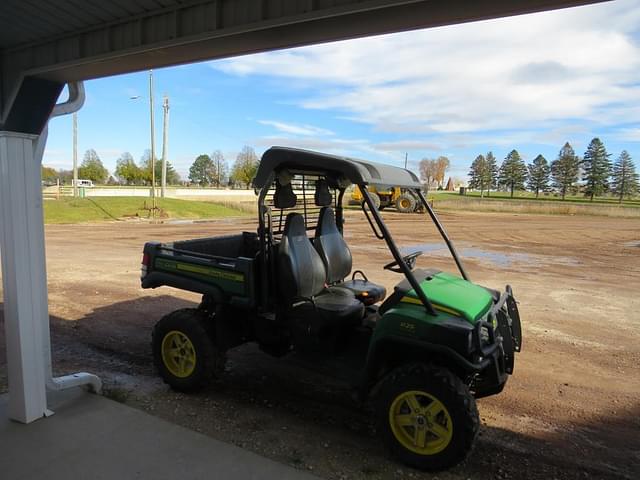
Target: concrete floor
[{"x": 92, "y": 437}]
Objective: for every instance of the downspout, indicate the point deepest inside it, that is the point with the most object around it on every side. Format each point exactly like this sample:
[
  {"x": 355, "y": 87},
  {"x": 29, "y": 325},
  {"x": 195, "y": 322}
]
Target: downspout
[{"x": 73, "y": 104}]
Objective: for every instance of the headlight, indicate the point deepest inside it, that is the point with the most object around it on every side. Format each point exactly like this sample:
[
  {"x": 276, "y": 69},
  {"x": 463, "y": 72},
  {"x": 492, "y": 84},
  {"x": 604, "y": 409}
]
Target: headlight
[
  {"x": 485, "y": 338},
  {"x": 484, "y": 335}
]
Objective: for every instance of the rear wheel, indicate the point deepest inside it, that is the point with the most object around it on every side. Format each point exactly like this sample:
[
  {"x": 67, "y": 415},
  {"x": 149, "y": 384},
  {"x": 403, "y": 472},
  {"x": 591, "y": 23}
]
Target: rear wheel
[
  {"x": 375, "y": 198},
  {"x": 427, "y": 417},
  {"x": 405, "y": 203},
  {"x": 184, "y": 350}
]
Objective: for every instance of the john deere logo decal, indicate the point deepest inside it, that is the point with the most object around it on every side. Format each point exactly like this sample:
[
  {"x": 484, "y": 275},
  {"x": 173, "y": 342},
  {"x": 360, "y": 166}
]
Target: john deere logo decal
[{"x": 210, "y": 272}]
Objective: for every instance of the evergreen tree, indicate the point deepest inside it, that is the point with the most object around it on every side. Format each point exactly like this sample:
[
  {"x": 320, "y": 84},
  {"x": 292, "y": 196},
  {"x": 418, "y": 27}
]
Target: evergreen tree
[
  {"x": 596, "y": 169},
  {"x": 203, "y": 171},
  {"x": 478, "y": 174},
  {"x": 144, "y": 171},
  {"x": 492, "y": 172},
  {"x": 145, "y": 168},
  {"x": 513, "y": 172},
  {"x": 538, "y": 175},
  {"x": 565, "y": 169},
  {"x": 92, "y": 168},
  {"x": 245, "y": 166},
  {"x": 624, "y": 179},
  {"x": 173, "y": 177}
]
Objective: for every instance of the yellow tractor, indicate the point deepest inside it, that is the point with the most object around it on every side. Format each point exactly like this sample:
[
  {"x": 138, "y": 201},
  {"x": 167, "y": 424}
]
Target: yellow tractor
[{"x": 388, "y": 196}]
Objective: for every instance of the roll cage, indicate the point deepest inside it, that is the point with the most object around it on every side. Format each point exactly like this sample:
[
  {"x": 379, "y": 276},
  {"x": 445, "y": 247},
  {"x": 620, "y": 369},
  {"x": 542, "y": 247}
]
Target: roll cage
[{"x": 303, "y": 168}]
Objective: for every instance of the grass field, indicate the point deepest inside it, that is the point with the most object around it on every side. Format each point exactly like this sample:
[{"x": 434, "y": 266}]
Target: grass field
[
  {"x": 97, "y": 209},
  {"x": 528, "y": 196},
  {"x": 527, "y": 203}
]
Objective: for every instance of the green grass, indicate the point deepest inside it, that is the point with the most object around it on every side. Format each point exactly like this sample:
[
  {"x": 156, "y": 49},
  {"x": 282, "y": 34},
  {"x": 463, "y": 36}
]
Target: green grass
[
  {"x": 97, "y": 209},
  {"x": 525, "y": 202},
  {"x": 528, "y": 196}
]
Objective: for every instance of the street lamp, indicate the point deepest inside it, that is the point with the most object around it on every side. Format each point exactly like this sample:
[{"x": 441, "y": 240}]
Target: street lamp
[
  {"x": 165, "y": 139},
  {"x": 153, "y": 143}
]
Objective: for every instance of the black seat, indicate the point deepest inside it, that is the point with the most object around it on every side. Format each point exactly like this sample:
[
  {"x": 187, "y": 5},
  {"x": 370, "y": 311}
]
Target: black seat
[
  {"x": 337, "y": 259},
  {"x": 302, "y": 283}
]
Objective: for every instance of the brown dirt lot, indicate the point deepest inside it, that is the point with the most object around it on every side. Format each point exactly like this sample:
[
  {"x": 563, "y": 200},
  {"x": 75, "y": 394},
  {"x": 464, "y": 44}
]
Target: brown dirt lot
[{"x": 572, "y": 409}]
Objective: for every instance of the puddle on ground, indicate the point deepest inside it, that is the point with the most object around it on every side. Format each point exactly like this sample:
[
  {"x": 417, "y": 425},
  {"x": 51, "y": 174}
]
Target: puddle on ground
[
  {"x": 178, "y": 222},
  {"x": 187, "y": 221},
  {"x": 499, "y": 259}
]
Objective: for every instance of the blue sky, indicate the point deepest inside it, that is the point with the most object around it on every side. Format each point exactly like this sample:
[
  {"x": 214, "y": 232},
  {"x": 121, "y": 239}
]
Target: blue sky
[{"x": 530, "y": 82}]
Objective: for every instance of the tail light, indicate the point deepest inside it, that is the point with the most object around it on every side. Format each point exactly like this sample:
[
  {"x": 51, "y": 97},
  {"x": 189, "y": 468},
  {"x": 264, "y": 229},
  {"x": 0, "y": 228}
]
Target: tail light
[{"x": 144, "y": 269}]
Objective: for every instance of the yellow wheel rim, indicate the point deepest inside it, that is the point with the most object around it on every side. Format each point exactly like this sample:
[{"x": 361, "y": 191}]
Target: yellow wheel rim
[
  {"x": 178, "y": 354},
  {"x": 420, "y": 422},
  {"x": 404, "y": 203}
]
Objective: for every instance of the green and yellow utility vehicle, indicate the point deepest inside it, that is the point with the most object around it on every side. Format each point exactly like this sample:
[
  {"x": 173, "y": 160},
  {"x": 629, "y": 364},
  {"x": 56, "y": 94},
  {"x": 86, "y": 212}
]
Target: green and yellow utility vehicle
[{"x": 420, "y": 356}]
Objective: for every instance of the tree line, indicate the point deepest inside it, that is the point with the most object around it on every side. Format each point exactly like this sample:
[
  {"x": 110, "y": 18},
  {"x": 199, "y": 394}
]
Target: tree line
[
  {"x": 594, "y": 174},
  {"x": 212, "y": 170},
  {"x": 127, "y": 171},
  {"x": 206, "y": 170}
]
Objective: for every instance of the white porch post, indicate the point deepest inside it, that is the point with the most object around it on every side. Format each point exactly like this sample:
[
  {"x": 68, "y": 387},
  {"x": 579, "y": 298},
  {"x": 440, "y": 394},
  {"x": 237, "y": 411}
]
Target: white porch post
[{"x": 23, "y": 274}]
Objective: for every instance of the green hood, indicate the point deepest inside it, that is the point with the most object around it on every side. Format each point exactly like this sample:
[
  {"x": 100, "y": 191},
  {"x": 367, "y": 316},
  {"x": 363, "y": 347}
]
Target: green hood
[{"x": 454, "y": 295}]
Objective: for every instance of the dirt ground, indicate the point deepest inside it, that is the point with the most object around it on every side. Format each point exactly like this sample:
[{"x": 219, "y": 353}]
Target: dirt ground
[{"x": 571, "y": 410}]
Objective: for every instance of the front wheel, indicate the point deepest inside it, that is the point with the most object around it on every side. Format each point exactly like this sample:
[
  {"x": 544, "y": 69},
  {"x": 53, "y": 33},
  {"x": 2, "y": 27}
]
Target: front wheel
[
  {"x": 406, "y": 203},
  {"x": 184, "y": 351},
  {"x": 426, "y": 416}
]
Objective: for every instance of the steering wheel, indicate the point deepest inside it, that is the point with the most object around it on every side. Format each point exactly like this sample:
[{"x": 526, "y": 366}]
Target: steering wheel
[{"x": 409, "y": 259}]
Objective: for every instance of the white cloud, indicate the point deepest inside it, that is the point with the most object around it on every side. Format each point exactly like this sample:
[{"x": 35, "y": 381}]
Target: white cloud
[
  {"x": 406, "y": 145},
  {"x": 336, "y": 145},
  {"x": 56, "y": 158},
  {"x": 296, "y": 129},
  {"x": 629, "y": 134},
  {"x": 131, "y": 92},
  {"x": 529, "y": 72}
]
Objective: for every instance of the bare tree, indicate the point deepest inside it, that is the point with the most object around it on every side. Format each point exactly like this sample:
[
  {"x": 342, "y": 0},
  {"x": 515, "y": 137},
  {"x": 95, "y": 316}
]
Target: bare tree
[
  {"x": 428, "y": 171},
  {"x": 442, "y": 165},
  {"x": 221, "y": 167}
]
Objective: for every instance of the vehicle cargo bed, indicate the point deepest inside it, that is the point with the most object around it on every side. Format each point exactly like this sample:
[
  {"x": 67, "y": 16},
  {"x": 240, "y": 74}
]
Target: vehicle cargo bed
[{"x": 223, "y": 267}]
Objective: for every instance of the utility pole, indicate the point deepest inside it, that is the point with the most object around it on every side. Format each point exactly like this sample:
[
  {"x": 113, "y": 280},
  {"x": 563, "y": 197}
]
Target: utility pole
[
  {"x": 153, "y": 149},
  {"x": 75, "y": 154},
  {"x": 406, "y": 156},
  {"x": 218, "y": 169},
  {"x": 165, "y": 139}
]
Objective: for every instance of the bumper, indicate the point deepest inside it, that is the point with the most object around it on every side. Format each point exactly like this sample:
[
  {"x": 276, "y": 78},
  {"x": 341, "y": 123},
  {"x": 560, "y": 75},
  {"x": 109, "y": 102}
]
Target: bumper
[{"x": 498, "y": 340}]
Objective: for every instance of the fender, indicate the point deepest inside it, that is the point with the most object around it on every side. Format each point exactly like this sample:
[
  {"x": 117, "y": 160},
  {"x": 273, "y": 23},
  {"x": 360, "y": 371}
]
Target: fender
[
  {"x": 157, "y": 279},
  {"x": 417, "y": 350}
]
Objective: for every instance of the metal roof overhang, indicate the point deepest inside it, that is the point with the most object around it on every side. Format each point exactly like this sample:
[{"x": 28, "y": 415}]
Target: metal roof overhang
[
  {"x": 355, "y": 171},
  {"x": 45, "y": 44}
]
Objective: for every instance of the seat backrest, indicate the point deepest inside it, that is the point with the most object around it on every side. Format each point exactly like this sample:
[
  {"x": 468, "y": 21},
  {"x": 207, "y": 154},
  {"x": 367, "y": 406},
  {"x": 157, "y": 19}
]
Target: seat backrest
[
  {"x": 332, "y": 248},
  {"x": 284, "y": 197},
  {"x": 301, "y": 271}
]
